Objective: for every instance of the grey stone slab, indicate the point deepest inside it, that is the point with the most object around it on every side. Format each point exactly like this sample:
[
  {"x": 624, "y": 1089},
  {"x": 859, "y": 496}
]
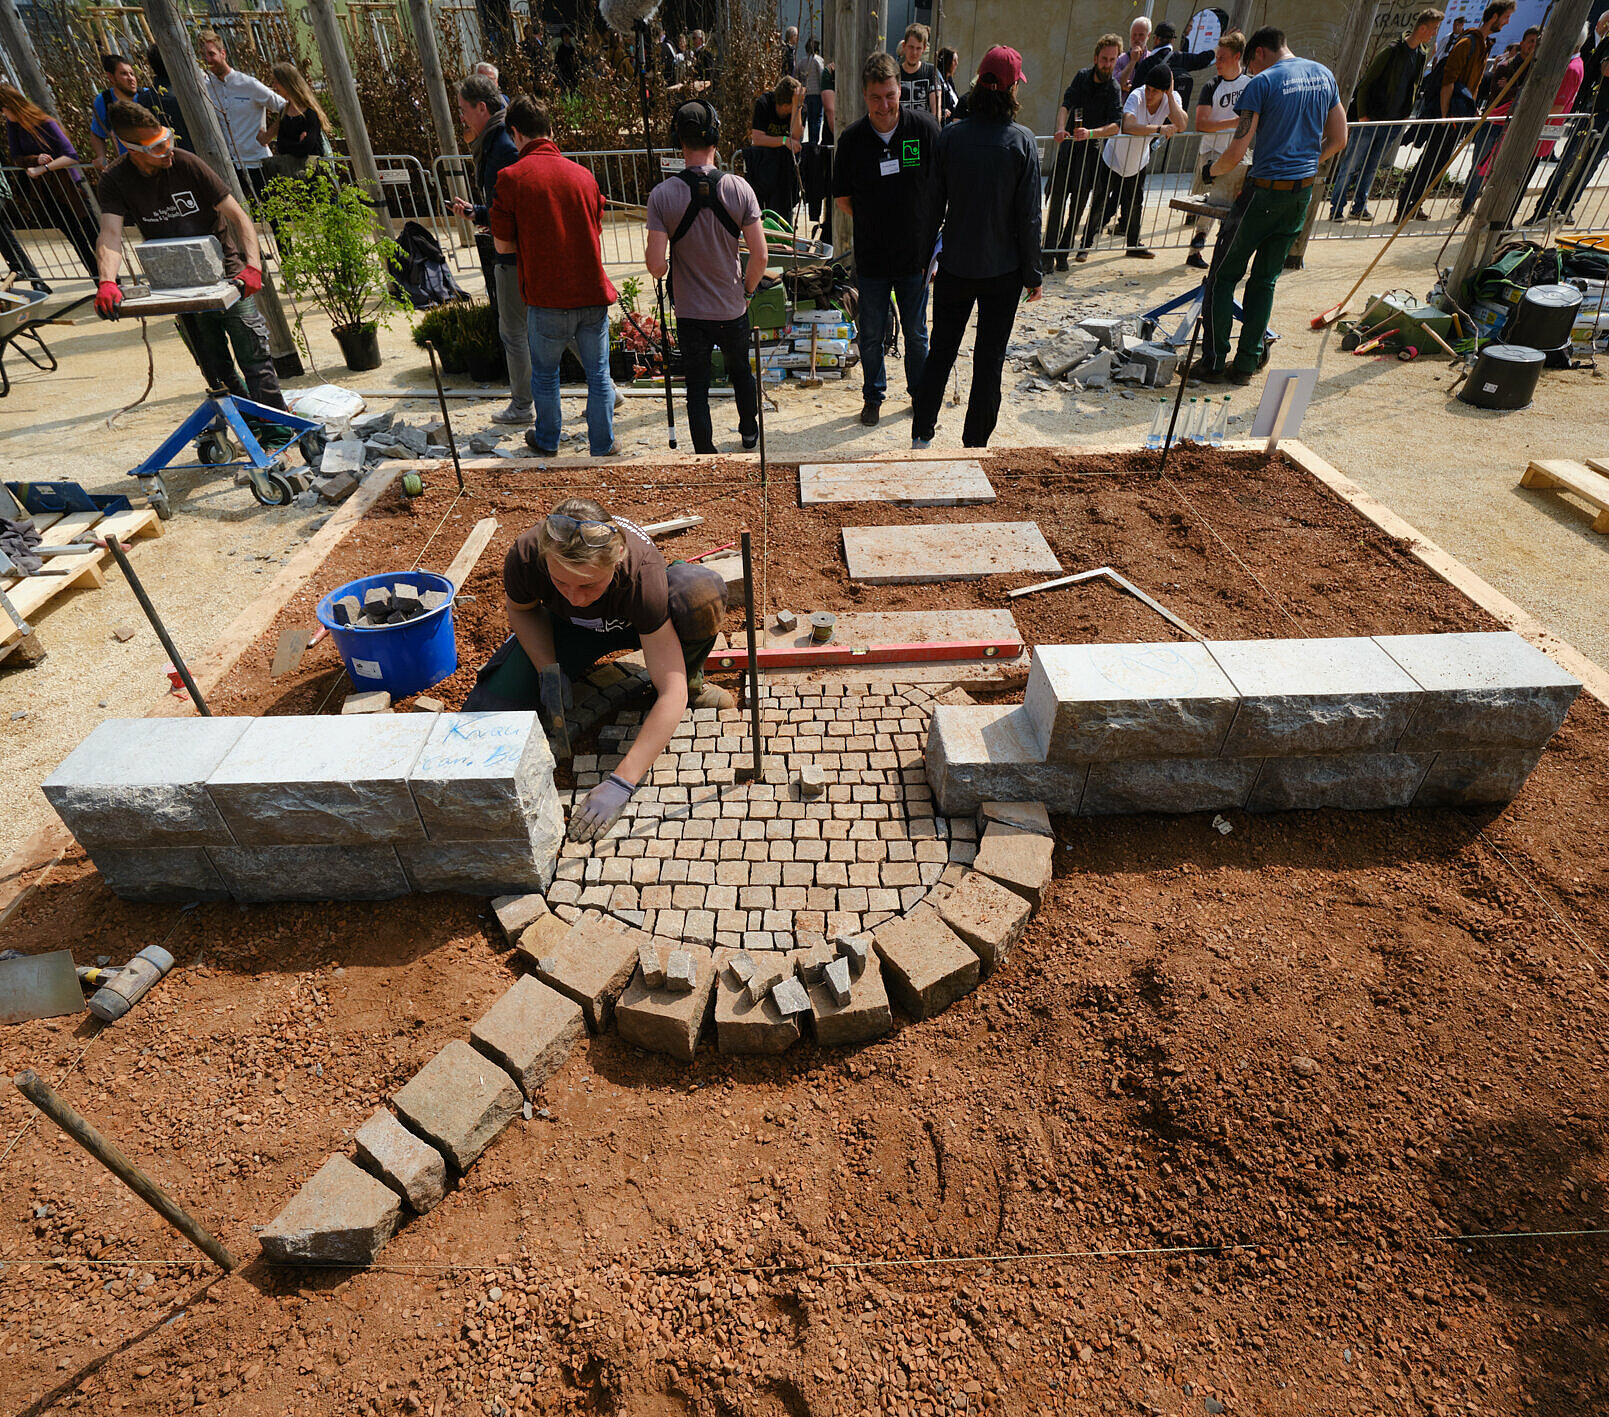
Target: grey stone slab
[
  {"x": 1472, "y": 779},
  {"x": 592, "y": 964},
  {"x": 264, "y": 873},
  {"x": 306, "y": 780},
  {"x": 140, "y": 782},
  {"x": 1099, "y": 703},
  {"x": 174, "y": 262},
  {"x": 954, "y": 551},
  {"x": 1024, "y": 816},
  {"x": 1314, "y": 696},
  {"x": 160, "y": 873},
  {"x": 866, "y": 1016},
  {"x": 910, "y": 627},
  {"x": 1018, "y": 860},
  {"x": 909, "y": 484},
  {"x": 529, "y": 1032},
  {"x": 987, "y": 753},
  {"x": 484, "y": 776},
  {"x": 342, "y": 1215},
  {"x": 1482, "y": 690},
  {"x": 744, "y": 1024},
  {"x": 1171, "y": 785},
  {"x": 667, "y": 1020},
  {"x": 989, "y": 916},
  {"x": 458, "y": 1102},
  {"x": 414, "y": 1169},
  {"x": 1351, "y": 781},
  {"x": 927, "y": 965},
  {"x": 476, "y": 867},
  {"x": 343, "y": 455}
]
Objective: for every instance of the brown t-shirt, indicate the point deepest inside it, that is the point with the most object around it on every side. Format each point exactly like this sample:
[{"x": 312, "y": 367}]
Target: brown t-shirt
[
  {"x": 181, "y": 200},
  {"x": 638, "y": 598}
]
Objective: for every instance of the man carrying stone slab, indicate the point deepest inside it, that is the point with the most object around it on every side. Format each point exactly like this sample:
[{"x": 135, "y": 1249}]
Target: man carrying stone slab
[{"x": 580, "y": 584}]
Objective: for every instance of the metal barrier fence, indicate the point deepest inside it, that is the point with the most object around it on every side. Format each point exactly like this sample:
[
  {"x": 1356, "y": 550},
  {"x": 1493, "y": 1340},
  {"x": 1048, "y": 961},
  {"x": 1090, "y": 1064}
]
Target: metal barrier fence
[{"x": 48, "y": 225}]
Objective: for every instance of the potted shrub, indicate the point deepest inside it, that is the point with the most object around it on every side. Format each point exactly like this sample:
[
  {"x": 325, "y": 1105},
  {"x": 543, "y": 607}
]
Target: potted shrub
[
  {"x": 333, "y": 253},
  {"x": 466, "y": 339}
]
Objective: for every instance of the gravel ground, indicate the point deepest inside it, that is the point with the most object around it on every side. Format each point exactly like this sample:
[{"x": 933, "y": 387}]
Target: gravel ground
[{"x": 1450, "y": 470}]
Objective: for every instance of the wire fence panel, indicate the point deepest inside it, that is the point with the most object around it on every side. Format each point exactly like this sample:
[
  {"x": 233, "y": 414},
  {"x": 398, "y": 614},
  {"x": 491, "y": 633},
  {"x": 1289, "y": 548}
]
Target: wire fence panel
[{"x": 48, "y": 225}]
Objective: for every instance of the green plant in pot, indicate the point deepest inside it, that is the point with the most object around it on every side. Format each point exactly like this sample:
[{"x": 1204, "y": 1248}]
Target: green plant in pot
[
  {"x": 466, "y": 339},
  {"x": 333, "y": 253}
]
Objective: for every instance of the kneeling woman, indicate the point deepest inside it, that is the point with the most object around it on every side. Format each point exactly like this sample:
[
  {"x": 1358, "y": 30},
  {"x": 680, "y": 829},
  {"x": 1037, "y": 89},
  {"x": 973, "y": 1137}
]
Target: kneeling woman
[{"x": 579, "y": 585}]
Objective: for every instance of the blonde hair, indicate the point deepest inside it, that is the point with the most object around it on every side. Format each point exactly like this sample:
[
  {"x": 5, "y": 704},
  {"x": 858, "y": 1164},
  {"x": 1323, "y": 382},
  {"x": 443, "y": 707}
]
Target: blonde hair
[
  {"x": 299, "y": 91},
  {"x": 575, "y": 552},
  {"x": 206, "y": 37}
]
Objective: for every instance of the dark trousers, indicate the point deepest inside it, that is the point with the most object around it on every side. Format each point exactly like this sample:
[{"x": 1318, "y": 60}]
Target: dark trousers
[
  {"x": 953, "y": 298},
  {"x": 213, "y": 334},
  {"x": 509, "y": 681},
  {"x": 16, "y": 258},
  {"x": 487, "y": 251},
  {"x": 1102, "y": 202},
  {"x": 1444, "y": 138},
  {"x": 731, "y": 337},
  {"x": 1127, "y": 193},
  {"x": 1253, "y": 241},
  {"x": 1071, "y": 181},
  {"x": 1576, "y": 164}
]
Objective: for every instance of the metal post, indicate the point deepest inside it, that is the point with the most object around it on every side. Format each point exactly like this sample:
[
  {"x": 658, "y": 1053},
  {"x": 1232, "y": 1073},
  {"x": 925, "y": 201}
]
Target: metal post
[
  {"x": 759, "y": 405},
  {"x": 338, "y": 74},
  {"x": 1184, "y": 378},
  {"x": 30, "y": 72},
  {"x": 441, "y": 104},
  {"x": 754, "y": 657},
  {"x": 121, "y": 557},
  {"x": 206, "y": 132},
  {"x": 40, "y": 1093},
  {"x": 446, "y": 418},
  {"x": 1511, "y": 166}
]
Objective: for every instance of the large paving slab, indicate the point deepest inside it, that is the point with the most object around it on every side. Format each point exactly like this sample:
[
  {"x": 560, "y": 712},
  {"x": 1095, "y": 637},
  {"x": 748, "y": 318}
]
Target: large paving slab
[
  {"x": 989, "y": 916},
  {"x": 990, "y": 753},
  {"x": 592, "y": 964},
  {"x": 866, "y": 1016},
  {"x": 1100, "y": 703},
  {"x": 478, "y": 867},
  {"x": 907, "y": 627},
  {"x": 529, "y": 1032},
  {"x": 458, "y": 1102},
  {"x": 342, "y": 1215},
  {"x": 666, "y": 1020},
  {"x": 487, "y": 776},
  {"x": 910, "y": 484},
  {"x": 1018, "y": 860},
  {"x": 141, "y": 782},
  {"x": 745, "y": 1025},
  {"x": 954, "y": 551},
  {"x": 1314, "y": 696},
  {"x": 1174, "y": 785},
  {"x": 927, "y": 965},
  {"x": 160, "y": 873},
  {"x": 1482, "y": 690},
  {"x": 1357, "y": 782},
  {"x": 264, "y": 873},
  {"x": 414, "y": 1169},
  {"x": 303, "y": 780},
  {"x": 1493, "y": 775}
]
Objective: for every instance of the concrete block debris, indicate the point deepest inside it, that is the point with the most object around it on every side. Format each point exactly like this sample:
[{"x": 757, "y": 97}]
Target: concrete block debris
[
  {"x": 529, "y": 1032},
  {"x": 414, "y": 1169},
  {"x": 666, "y": 1020},
  {"x": 1065, "y": 352},
  {"x": 459, "y": 1101},
  {"x": 1096, "y": 371},
  {"x": 341, "y": 1215}
]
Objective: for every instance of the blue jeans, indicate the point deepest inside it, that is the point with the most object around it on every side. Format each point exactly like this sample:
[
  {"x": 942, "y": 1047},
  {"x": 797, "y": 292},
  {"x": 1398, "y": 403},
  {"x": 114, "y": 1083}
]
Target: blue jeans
[
  {"x": 875, "y": 296},
  {"x": 813, "y": 116},
  {"x": 551, "y": 331},
  {"x": 1365, "y": 151}
]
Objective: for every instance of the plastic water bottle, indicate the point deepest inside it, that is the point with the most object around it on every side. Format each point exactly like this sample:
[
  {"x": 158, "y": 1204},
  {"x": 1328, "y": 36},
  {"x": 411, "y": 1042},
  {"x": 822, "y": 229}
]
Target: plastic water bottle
[
  {"x": 1220, "y": 427},
  {"x": 1187, "y": 424},
  {"x": 1159, "y": 426}
]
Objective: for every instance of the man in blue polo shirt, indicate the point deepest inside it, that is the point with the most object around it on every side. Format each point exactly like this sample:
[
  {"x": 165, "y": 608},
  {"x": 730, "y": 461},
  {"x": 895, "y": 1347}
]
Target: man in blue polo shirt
[{"x": 1293, "y": 109}]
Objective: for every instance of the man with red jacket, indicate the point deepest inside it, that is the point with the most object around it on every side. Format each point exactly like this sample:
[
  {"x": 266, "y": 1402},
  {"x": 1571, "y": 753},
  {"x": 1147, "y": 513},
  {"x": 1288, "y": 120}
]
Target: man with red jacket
[{"x": 548, "y": 213}]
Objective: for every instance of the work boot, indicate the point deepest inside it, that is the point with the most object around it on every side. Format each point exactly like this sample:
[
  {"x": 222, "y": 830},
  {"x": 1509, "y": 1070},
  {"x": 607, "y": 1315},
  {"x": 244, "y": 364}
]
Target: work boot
[
  {"x": 1061, "y": 263},
  {"x": 1141, "y": 253},
  {"x": 1196, "y": 261},
  {"x": 514, "y": 413},
  {"x": 870, "y": 414},
  {"x": 537, "y": 448},
  {"x": 705, "y": 695},
  {"x": 1081, "y": 255}
]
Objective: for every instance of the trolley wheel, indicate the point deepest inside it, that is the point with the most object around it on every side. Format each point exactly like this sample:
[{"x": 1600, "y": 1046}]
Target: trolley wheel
[
  {"x": 312, "y": 447},
  {"x": 412, "y": 484},
  {"x": 272, "y": 489},
  {"x": 214, "y": 449}
]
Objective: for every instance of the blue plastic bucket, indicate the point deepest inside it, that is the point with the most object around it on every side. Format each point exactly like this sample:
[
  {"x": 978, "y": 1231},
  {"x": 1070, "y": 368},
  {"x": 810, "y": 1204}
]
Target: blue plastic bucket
[{"x": 401, "y": 659}]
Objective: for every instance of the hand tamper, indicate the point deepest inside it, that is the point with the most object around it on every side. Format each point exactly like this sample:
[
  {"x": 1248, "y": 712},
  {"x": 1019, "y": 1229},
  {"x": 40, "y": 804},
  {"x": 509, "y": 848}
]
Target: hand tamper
[{"x": 112, "y": 1000}]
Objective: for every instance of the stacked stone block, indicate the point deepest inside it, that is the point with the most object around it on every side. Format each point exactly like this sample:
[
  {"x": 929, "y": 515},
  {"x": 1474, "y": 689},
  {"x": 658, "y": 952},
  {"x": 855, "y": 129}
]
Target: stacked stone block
[
  {"x": 314, "y": 808},
  {"x": 1264, "y": 725}
]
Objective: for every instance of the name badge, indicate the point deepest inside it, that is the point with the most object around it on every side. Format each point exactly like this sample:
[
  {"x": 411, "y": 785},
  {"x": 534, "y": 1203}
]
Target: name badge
[{"x": 888, "y": 166}]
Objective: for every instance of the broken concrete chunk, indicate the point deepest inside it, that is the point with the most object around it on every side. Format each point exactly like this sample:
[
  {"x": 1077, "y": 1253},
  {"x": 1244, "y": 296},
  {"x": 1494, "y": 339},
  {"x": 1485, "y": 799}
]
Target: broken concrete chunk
[
  {"x": 373, "y": 701},
  {"x": 516, "y": 913},
  {"x": 650, "y": 970},
  {"x": 836, "y": 977},
  {"x": 529, "y": 1032},
  {"x": 790, "y": 997},
  {"x": 342, "y": 1215},
  {"x": 1096, "y": 371},
  {"x": 459, "y": 1101},
  {"x": 414, "y": 1169},
  {"x": 681, "y": 973}
]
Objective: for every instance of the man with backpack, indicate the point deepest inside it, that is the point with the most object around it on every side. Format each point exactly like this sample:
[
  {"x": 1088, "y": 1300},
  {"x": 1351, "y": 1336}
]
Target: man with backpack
[{"x": 695, "y": 218}]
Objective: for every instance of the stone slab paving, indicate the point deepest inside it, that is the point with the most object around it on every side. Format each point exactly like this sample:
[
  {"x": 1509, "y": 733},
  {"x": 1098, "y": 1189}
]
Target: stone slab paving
[
  {"x": 910, "y": 484},
  {"x": 459, "y": 1101},
  {"x": 907, "y": 627},
  {"x": 529, "y": 1032},
  {"x": 962, "y": 551},
  {"x": 414, "y": 1169},
  {"x": 668, "y": 1020},
  {"x": 342, "y": 1215}
]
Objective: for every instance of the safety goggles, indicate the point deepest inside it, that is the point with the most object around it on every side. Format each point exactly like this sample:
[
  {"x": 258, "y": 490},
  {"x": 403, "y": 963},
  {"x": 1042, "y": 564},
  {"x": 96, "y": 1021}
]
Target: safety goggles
[
  {"x": 159, "y": 146},
  {"x": 591, "y": 532}
]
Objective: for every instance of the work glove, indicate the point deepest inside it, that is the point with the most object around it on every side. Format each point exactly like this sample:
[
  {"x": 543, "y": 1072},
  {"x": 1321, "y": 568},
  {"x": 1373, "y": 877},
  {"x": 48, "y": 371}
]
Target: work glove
[
  {"x": 602, "y": 808},
  {"x": 251, "y": 279},
  {"x": 108, "y": 297},
  {"x": 1206, "y": 171}
]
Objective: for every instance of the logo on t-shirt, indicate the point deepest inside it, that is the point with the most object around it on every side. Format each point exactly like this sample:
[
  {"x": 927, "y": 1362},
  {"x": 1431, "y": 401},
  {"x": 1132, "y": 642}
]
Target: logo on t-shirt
[
  {"x": 911, "y": 152},
  {"x": 178, "y": 206}
]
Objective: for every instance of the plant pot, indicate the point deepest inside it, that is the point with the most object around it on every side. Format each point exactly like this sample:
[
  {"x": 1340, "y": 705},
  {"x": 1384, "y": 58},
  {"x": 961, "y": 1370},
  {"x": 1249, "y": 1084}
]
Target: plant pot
[
  {"x": 622, "y": 365},
  {"x": 360, "y": 345},
  {"x": 486, "y": 367}
]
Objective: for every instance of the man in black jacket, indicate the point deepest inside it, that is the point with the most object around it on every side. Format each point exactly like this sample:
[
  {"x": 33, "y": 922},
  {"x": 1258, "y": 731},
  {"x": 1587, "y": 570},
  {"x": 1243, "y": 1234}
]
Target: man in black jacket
[
  {"x": 1093, "y": 104},
  {"x": 986, "y": 195},
  {"x": 491, "y": 149},
  {"x": 1181, "y": 63},
  {"x": 1384, "y": 97}
]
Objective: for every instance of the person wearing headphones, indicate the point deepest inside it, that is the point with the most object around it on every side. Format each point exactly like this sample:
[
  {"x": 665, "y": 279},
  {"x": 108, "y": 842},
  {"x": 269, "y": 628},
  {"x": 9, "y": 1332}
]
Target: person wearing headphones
[{"x": 695, "y": 218}]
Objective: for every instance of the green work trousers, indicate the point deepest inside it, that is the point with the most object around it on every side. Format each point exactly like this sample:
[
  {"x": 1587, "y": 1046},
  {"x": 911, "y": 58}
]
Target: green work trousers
[{"x": 1257, "y": 234}]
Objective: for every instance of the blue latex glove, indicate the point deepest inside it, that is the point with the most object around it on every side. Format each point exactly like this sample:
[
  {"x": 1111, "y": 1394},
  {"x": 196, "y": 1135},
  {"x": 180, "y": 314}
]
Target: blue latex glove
[{"x": 602, "y": 808}]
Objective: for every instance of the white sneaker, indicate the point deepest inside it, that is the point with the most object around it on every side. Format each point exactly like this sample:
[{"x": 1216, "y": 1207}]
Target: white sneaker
[
  {"x": 620, "y": 400},
  {"x": 515, "y": 414}
]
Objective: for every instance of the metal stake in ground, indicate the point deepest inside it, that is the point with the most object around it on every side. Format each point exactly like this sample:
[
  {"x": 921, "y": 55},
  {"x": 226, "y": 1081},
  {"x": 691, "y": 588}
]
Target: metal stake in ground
[
  {"x": 121, "y": 557},
  {"x": 754, "y": 656},
  {"x": 446, "y": 418},
  {"x": 39, "y": 1092},
  {"x": 1184, "y": 378},
  {"x": 759, "y": 403}
]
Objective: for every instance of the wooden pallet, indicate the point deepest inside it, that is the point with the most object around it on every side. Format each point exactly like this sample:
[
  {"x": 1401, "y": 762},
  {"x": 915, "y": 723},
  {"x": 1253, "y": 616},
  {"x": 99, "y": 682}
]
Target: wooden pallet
[
  {"x": 1587, "y": 480},
  {"x": 30, "y": 594}
]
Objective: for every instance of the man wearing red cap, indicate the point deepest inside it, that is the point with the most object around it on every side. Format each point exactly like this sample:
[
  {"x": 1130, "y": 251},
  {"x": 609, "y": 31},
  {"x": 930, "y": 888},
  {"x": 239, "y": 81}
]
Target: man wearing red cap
[{"x": 986, "y": 200}]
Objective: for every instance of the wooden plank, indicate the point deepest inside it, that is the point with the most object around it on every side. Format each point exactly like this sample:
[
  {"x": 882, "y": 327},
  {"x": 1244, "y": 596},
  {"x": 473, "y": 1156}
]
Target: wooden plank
[
  {"x": 469, "y": 553},
  {"x": 1583, "y": 481},
  {"x": 1599, "y": 465},
  {"x": 126, "y": 526},
  {"x": 1453, "y": 571},
  {"x": 72, "y": 527},
  {"x": 43, "y": 521},
  {"x": 32, "y": 593}
]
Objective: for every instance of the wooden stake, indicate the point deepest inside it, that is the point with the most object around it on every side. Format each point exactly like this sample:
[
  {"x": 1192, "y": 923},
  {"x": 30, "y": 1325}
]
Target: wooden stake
[
  {"x": 1285, "y": 401},
  {"x": 40, "y": 1093}
]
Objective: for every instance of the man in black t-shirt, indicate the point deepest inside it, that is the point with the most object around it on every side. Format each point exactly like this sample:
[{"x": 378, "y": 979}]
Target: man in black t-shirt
[
  {"x": 918, "y": 82},
  {"x": 776, "y": 134},
  {"x": 1091, "y": 109},
  {"x": 882, "y": 178},
  {"x": 166, "y": 191}
]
